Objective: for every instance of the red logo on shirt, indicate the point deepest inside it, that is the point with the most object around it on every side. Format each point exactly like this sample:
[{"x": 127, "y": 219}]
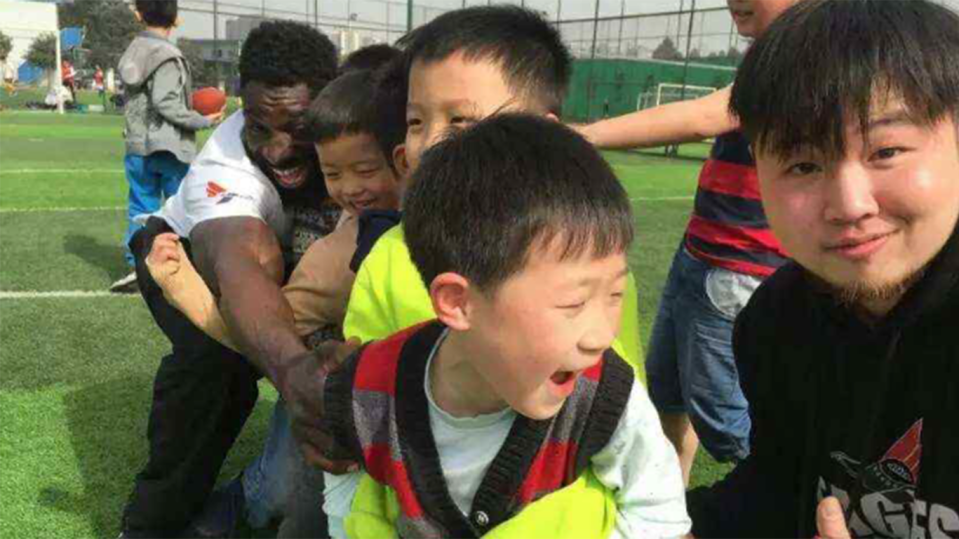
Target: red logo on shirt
[{"x": 214, "y": 190}]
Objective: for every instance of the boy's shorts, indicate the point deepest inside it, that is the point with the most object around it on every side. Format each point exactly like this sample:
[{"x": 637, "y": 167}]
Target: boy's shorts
[{"x": 690, "y": 366}]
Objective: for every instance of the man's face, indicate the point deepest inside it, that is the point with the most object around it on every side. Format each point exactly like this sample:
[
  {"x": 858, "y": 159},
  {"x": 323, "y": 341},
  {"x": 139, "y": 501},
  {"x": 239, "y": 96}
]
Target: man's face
[
  {"x": 753, "y": 17},
  {"x": 451, "y": 94},
  {"x": 869, "y": 221},
  {"x": 532, "y": 338},
  {"x": 357, "y": 175},
  {"x": 275, "y": 135}
]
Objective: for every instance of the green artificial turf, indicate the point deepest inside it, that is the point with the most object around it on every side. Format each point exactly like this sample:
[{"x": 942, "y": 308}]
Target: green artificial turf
[{"x": 77, "y": 371}]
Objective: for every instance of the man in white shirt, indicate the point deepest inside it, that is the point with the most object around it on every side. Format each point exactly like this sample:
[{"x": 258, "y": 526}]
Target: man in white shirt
[{"x": 254, "y": 183}]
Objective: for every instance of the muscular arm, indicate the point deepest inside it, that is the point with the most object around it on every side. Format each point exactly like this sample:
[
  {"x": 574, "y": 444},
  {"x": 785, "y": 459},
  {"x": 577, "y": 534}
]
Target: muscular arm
[
  {"x": 240, "y": 259},
  {"x": 683, "y": 121}
]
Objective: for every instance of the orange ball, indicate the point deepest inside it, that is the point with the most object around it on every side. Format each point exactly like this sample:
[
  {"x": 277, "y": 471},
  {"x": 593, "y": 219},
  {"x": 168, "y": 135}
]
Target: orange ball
[{"x": 208, "y": 100}]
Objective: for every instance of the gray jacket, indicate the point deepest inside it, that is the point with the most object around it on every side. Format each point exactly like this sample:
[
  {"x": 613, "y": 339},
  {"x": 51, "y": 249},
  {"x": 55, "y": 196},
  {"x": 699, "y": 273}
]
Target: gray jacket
[{"x": 158, "y": 86}]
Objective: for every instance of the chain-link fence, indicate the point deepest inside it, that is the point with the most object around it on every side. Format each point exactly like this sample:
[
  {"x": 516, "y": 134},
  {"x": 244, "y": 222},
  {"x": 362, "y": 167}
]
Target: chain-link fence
[
  {"x": 625, "y": 49},
  {"x": 629, "y": 53}
]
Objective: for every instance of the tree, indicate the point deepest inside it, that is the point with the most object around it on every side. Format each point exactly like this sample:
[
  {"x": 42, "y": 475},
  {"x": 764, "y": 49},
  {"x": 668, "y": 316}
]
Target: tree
[
  {"x": 667, "y": 51},
  {"x": 108, "y": 26},
  {"x": 6, "y": 45},
  {"x": 734, "y": 54},
  {"x": 43, "y": 51},
  {"x": 695, "y": 55},
  {"x": 204, "y": 73}
]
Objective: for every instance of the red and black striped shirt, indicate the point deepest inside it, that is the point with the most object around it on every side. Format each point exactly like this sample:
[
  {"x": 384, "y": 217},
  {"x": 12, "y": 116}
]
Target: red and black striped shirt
[{"x": 728, "y": 227}]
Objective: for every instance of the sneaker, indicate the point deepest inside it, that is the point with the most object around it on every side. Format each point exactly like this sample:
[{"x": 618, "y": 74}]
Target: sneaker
[
  {"x": 223, "y": 513},
  {"x": 126, "y": 285}
]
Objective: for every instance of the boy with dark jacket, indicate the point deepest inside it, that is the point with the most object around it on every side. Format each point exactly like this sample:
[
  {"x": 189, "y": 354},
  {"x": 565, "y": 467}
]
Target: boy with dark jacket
[
  {"x": 160, "y": 123},
  {"x": 848, "y": 356}
]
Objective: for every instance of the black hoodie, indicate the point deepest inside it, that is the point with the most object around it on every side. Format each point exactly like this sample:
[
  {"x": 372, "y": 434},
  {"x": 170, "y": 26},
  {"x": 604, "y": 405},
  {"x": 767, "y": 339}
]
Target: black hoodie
[{"x": 867, "y": 413}]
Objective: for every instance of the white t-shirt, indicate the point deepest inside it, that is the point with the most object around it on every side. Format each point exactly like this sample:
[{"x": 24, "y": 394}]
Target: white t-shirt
[
  {"x": 638, "y": 464},
  {"x": 224, "y": 182}
]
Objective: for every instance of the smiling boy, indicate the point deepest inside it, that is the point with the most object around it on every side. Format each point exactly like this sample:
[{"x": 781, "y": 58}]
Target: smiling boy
[{"x": 848, "y": 355}]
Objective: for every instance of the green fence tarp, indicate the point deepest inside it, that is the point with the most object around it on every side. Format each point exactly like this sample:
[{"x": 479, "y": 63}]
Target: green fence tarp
[{"x": 607, "y": 87}]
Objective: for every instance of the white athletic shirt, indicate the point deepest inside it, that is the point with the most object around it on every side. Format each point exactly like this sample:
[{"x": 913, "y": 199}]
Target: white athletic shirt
[
  {"x": 638, "y": 463},
  {"x": 224, "y": 182}
]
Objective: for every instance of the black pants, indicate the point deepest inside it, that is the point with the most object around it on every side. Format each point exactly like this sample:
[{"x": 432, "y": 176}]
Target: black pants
[{"x": 202, "y": 396}]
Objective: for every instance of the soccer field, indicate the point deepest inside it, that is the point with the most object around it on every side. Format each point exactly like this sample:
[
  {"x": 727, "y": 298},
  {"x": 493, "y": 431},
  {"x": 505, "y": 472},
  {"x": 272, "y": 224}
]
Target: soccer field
[{"x": 78, "y": 363}]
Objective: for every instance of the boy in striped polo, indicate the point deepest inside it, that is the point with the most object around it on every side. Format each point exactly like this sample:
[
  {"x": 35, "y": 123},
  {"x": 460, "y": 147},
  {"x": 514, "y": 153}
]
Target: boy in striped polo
[{"x": 726, "y": 252}]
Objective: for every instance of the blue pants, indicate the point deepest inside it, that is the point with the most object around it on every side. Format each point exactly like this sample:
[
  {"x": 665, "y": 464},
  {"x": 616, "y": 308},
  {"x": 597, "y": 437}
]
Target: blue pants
[
  {"x": 690, "y": 366},
  {"x": 279, "y": 484},
  {"x": 152, "y": 178}
]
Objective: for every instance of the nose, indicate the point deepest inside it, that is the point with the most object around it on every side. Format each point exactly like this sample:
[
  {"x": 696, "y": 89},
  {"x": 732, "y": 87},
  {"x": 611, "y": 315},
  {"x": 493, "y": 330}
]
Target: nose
[
  {"x": 352, "y": 188},
  {"x": 278, "y": 149},
  {"x": 849, "y": 195},
  {"x": 601, "y": 330}
]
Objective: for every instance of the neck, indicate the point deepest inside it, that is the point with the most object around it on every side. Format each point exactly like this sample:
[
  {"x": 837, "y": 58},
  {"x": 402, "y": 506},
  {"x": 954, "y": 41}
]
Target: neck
[
  {"x": 165, "y": 32},
  {"x": 457, "y": 387}
]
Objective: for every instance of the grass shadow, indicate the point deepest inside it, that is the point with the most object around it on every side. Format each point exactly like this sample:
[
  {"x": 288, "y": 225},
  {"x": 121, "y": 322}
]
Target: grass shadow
[
  {"x": 107, "y": 426},
  {"x": 108, "y": 257}
]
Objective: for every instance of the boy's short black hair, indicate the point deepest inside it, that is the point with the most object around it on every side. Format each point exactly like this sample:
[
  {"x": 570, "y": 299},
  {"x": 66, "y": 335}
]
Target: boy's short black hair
[
  {"x": 286, "y": 53},
  {"x": 389, "y": 106},
  {"x": 369, "y": 57},
  {"x": 534, "y": 61},
  {"x": 825, "y": 62},
  {"x": 157, "y": 13},
  {"x": 344, "y": 107},
  {"x": 483, "y": 200}
]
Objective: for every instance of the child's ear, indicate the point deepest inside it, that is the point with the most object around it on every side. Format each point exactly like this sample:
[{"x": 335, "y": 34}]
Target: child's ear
[
  {"x": 450, "y": 295},
  {"x": 400, "y": 163}
]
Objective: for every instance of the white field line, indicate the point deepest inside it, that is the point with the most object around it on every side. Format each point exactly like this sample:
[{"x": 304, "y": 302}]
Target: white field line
[
  {"x": 77, "y": 170},
  {"x": 61, "y": 210},
  {"x": 58, "y": 294}
]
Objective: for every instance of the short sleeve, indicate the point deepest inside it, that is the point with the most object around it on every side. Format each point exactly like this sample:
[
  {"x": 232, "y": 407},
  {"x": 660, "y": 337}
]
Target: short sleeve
[{"x": 216, "y": 191}]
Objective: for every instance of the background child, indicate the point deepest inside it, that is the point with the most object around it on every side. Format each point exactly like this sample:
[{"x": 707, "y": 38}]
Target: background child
[
  {"x": 160, "y": 125},
  {"x": 461, "y": 67},
  {"x": 522, "y": 391},
  {"x": 727, "y": 250}
]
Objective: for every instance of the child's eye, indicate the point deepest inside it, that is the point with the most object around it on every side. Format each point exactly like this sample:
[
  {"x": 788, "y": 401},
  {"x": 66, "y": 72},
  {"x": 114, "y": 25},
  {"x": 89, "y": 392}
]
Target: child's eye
[
  {"x": 461, "y": 120},
  {"x": 887, "y": 153},
  {"x": 330, "y": 176},
  {"x": 572, "y": 306},
  {"x": 367, "y": 171},
  {"x": 802, "y": 169},
  {"x": 413, "y": 122}
]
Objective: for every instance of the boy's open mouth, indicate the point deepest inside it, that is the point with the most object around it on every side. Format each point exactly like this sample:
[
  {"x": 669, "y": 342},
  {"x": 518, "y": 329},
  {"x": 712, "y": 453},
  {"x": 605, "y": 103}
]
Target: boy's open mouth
[{"x": 561, "y": 377}]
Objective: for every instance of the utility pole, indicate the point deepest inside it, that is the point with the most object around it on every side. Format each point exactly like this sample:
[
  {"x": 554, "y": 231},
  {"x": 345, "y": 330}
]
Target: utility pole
[
  {"x": 622, "y": 20},
  {"x": 409, "y": 15},
  {"x": 592, "y": 61},
  {"x": 216, "y": 41}
]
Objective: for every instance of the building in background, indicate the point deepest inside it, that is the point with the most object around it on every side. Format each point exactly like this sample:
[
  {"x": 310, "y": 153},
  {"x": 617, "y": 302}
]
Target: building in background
[{"x": 24, "y": 22}]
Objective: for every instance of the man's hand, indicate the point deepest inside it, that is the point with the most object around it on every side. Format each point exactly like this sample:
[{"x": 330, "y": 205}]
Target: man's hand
[
  {"x": 830, "y": 520},
  {"x": 301, "y": 382}
]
